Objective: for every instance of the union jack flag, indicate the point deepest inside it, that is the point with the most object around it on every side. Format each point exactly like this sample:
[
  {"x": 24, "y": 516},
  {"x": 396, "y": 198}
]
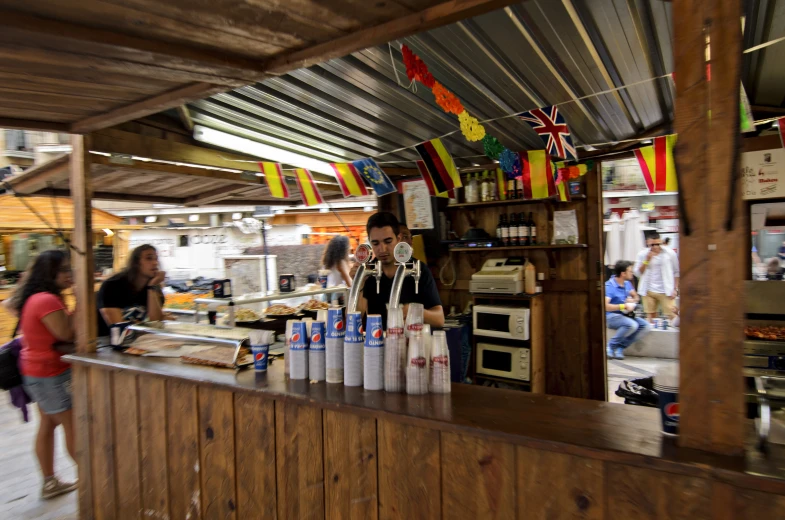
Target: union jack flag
[{"x": 552, "y": 128}]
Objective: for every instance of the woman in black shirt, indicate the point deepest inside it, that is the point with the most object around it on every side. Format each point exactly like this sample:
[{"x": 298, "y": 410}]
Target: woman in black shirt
[{"x": 134, "y": 294}]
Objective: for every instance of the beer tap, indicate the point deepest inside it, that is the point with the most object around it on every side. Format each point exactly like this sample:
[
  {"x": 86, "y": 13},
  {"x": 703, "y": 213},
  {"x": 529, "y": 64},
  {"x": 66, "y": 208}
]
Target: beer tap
[
  {"x": 363, "y": 255},
  {"x": 402, "y": 255}
]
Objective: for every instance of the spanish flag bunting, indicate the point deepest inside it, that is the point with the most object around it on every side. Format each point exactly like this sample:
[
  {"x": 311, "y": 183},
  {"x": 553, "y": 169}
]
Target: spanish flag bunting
[
  {"x": 439, "y": 166},
  {"x": 273, "y": 176},
  {"x": 537, "y": 176},
  {"x": 564, "y": 191},
  {"x": 501, "y": 184},
  {"x": 349, "y": 179},
  {"x": 657, "y": 164},
  {"x": 308, "y": 190},
  {"x": 429, "y": 182}
]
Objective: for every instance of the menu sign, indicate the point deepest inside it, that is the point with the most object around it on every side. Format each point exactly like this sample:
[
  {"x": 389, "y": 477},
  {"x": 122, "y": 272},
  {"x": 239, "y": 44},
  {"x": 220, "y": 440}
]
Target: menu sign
[{"x": 763, "y": 174}]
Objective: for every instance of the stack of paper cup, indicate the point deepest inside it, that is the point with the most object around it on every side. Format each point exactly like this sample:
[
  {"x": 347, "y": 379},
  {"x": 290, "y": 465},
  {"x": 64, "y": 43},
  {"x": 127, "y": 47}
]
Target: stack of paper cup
[
  {"x": 286, "y": 356},
  {"x": 373, "y": 357},
  {"x": 298, "y": 351},
  {"x": 414, "y": 318},
  {"x": 426, "y": 338},
  {"x": 353, "y": 350},
  {"x": 308, "y": 322},
  {"x": 394, "y": 352},
  {"x": 666, "y": 384},
  {"x": 316, "y": 352},
  {"x": 321, "y": 315},
  {"x": 416, "y": 366},
  {"x": 440, "y": 364},
  {"x": 334, "y": 345}
]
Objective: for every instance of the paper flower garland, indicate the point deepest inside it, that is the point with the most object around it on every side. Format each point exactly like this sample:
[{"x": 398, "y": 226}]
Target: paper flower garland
[
  {"x": 470, "y": 127},
  {"x": 448, "y": 101},
  {"x": 416, "y": 69},
  {"x": 507, "y": 161},
  {"x": 492, "y": 147}
]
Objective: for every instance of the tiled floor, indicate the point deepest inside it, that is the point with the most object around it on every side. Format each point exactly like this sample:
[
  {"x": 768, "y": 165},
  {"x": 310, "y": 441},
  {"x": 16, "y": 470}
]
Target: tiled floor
[
  {"x": 631, "y": 368},
  {"x": 20, "y": 479}
]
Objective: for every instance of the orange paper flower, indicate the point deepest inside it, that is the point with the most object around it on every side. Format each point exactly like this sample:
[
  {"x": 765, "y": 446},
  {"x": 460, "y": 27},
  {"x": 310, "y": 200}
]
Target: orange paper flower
[{"x": 448, "y": 101}]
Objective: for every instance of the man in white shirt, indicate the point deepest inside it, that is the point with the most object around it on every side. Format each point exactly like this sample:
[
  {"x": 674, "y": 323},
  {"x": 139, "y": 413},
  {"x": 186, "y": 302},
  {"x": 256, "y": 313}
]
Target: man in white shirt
[{"x": 657, "y": 268}]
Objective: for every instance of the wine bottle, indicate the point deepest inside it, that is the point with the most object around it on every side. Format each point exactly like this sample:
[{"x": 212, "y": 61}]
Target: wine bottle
[
  {"x": 505, "y": 238},
  {"x": 514, "y": 240},
  {"x": 523, "y": 230},
  {"x": 532, "y": 230},
  {"x": 499, "y": 229}
]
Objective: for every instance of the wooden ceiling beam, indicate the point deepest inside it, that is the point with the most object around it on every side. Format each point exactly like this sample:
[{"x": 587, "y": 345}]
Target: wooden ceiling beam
[
  {"x": 40, "y": 177},
  {"x": 216, "y": 195},
  {"x": 27, "y": 124},
  {"x": 175, "y": 170},
  {"x": 99, "y": 195}
]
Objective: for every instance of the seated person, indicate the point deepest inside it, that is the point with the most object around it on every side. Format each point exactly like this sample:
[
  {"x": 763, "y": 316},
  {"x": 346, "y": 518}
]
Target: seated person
[
  {"x": 619, "y": 292},
  {"x": 384, "y": 233},
  {"x": 134, "y": 294}
]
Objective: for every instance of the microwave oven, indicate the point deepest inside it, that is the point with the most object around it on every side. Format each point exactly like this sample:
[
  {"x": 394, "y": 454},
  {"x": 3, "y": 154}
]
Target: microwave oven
[
  {"x": 503, "y": 361},
  {"x": 501, "y": 322}
]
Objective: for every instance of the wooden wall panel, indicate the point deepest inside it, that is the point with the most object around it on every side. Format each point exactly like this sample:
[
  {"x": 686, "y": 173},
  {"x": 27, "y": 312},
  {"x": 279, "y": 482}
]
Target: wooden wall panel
[
  {"x": 254, "y": 424},
  {"x": 567, "y": 356},
  {"x": 350, "y": 467},
  {"x": 409, "y": 472},
  {"x": 598, "y": 367},
  {"x": 299, "y": 461},
  {"x": 152, "y": 447},
  {"x": 81, "y": 402},
  {"x": 126, "y": 438},
  {"x": 183, "y": 450},
  {"x": 216, "y": 437},
  {"x": 103, "y": 447},
  {"x": 556, "y": 486},
  {"x": 647, "y": 494},
  {"x": 478, "y": 478},
  {"x": 757, "y": 505}
]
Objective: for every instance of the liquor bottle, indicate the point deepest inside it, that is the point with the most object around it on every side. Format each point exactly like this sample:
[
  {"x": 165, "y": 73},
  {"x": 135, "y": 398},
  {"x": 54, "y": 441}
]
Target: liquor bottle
[
  {"x": 493, "y": 187},
  {"x": 511, "y": 189},
  {"x": 505, "y": 238},
  {"x": 523, "y": 230},
  {"x": 514, "y": 230},
  {"x": 499, "y": 227},
  {"x": 470, "y": 189},
  {"x": 532, "y": 230},
  {"x": 485, "y": 188}
]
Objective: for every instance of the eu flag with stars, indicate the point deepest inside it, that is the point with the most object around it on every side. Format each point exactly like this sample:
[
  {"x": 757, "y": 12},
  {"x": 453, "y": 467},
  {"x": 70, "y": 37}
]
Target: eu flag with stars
[{"x": 376, "y": 178}]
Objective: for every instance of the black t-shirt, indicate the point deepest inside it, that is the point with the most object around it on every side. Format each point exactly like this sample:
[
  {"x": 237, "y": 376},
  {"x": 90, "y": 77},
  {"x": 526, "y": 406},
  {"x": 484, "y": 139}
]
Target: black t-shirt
[
  {"x": 428, "y": 294},
  {"x": 118, "y": 293}
]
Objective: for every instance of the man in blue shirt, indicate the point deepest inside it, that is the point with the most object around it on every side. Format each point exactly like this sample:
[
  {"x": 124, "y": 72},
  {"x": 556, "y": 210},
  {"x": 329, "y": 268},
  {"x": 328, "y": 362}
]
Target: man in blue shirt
[{"x": 620, "y": 302}]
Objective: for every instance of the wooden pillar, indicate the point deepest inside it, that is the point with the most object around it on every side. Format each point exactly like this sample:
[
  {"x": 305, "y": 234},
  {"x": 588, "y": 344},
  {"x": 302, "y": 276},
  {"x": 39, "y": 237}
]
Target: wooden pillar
[
  {"x": 82, "y": 259},
  {"x": 711, "y": 226}
]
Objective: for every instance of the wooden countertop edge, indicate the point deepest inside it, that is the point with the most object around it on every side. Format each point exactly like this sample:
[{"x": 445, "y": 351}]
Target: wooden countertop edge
[{"x": 674, "y": 460}]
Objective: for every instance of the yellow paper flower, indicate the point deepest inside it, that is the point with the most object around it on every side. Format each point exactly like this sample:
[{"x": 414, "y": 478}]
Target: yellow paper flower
[{"x": 470, "y": 127}]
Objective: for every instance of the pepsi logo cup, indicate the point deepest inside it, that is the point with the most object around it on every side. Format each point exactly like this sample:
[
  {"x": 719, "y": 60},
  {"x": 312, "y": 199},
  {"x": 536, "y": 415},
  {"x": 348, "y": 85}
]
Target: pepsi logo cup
[
  {"x": 375, "y": 334},
  {"x": 669, "y": 409},
  {"x": 354, "y": 323},
  {"x": 336, "y": 328},
  {"x": 317, "y": 335},
  {"x": 260, "y": 355},
  {"x": 299, "y": 339}
]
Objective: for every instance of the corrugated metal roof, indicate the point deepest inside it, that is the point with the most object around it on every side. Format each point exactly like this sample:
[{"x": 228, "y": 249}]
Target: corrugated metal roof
[{"x": 532, "y": 54}]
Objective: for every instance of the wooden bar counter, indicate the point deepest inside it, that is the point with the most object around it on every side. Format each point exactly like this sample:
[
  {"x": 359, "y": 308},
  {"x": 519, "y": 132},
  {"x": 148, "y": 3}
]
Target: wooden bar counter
[{"x": 175, "y": 441}]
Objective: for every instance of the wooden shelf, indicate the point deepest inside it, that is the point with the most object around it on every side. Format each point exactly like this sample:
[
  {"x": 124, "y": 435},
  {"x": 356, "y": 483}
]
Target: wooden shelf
[
  {"x": 515, "y": 382},
  {"x": 517, "y": 248},
  {"x": 513, "y": 202}
]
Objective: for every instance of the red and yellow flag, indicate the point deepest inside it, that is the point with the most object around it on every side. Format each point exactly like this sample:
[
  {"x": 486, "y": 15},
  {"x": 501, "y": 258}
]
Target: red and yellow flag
[
  {"x": 657, "y": 164},
  {"x": 308, "y": 190},
  {"x": 273, "y": 176},
  {"x": 349, "y": 179},
  {"x": 537, "y": 176}
]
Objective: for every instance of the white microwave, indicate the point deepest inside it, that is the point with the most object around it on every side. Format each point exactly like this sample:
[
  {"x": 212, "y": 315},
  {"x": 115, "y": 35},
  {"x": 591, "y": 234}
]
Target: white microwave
[
  {"x": 503, "y": 361},
  {"x": 501, "y": 322}
]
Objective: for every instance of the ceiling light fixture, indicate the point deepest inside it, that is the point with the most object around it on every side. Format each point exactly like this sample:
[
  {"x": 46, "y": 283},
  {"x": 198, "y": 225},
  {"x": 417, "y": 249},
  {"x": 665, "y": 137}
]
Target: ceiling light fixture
[
  {"x": 265, "y": 151},
  {"x": 647, "y": 141}
]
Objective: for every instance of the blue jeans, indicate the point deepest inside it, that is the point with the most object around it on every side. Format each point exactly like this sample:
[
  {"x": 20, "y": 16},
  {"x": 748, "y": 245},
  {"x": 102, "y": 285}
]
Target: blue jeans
[{"x": 628, "y": 330}]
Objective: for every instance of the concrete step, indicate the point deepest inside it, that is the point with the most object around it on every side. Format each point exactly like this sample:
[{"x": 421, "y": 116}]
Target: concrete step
[{"x": 657, "y": 343}]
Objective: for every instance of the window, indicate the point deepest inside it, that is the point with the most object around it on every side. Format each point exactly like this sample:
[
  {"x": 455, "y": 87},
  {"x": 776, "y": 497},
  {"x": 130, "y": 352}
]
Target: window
[{"x": 182, "y": 241}]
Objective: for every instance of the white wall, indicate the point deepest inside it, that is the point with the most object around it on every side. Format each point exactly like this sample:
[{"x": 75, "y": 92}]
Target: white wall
[
  {"x": 286, "y": 235},
  {"x": 205, "y": 251}
]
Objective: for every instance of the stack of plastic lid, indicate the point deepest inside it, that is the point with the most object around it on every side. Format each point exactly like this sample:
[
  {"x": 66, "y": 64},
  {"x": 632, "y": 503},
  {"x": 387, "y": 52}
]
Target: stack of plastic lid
[
  {"x": 288, "y": 336},
  {"x": 298, "y": 351},
  {"x": 414, "y": 318},
  {"x": 416, "y": 366},
  {"x": 394, "y": 352},
  {"x": 353, "y": 350},
  {"x": 373, "y": 357},
  {"x": 334, "y": 345},
  {"x": 440, "y": 364},
  {"x": 316, "y": 352}
]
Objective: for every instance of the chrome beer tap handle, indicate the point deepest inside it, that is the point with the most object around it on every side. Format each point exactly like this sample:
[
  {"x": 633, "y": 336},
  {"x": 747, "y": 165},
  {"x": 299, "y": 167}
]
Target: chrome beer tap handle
[
  {"x": 416, "y": 275},
  {"x": 378, "y": 274}
]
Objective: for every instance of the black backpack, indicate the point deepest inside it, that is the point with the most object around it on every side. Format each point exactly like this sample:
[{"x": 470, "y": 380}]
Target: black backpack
[{"x": 10, "y": 376}]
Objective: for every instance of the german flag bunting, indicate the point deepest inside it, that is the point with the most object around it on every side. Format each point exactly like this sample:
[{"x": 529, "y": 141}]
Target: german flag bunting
[
  {"x": 429, "y": 182},
  {"x": 273, "y": 176},
  {"x": 439, "y": 166}
]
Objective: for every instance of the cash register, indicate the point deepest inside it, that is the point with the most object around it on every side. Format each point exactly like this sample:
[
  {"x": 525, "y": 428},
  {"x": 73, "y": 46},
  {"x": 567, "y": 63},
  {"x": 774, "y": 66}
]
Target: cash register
[{"x": 499, "y": 275}]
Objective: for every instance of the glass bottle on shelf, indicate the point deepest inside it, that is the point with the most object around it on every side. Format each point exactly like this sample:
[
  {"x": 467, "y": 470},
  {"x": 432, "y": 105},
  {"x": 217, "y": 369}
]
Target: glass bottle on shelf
[
  {"x": 505, "y": 238},
  {"x": 523, "y": 230},
  {"x": 499, "y": 228},
  {"x": 485, "y": 188},
  {"x": 511, "y": 189},
  {"x": 532, "y": 230},
  {"x": 514, "y": 241},
  {"x": 493, "y": 187},
  {"x": 471, "y": 189}
]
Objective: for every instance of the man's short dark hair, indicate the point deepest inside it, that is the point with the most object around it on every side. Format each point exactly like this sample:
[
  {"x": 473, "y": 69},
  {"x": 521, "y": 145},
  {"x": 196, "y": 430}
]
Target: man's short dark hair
[
  {"x": 621, "y": 267},
  {"x": 383, "y": 219},
  {"x": 667, "y": 241},
  {"x": 654, "y": 235}
]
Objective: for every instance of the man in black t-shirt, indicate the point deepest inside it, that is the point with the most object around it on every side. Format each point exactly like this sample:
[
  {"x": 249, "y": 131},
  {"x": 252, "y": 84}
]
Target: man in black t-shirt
[{"x": 383, "y": 233}]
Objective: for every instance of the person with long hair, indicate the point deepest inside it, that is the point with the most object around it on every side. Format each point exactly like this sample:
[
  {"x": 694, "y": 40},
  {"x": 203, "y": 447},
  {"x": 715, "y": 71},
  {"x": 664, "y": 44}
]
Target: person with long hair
[
  {"x": 336, "y": 259},
  {"x": 48, "y": 331},
  {"x": 134, "y": 294}
]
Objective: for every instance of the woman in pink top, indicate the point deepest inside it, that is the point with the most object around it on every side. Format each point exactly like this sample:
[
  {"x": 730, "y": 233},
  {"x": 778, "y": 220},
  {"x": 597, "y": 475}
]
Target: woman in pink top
[{"x": 47, "y": 329}]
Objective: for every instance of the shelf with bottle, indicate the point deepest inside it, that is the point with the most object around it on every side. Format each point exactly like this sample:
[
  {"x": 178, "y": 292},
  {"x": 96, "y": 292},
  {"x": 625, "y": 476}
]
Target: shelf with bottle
[
  {"x": 518, "y": 248},
  {"x": 512, "y": 202}
]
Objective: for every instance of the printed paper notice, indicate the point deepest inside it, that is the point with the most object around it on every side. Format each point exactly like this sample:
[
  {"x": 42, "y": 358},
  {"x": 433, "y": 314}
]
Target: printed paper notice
[
  {"x": 417, "y": 205},
  {"x": 763, "y": 174}
]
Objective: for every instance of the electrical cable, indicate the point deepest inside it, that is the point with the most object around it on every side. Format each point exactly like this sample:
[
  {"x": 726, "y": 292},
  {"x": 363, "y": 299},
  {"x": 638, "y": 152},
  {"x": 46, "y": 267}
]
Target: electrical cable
[{"x": 454, "y": 273}]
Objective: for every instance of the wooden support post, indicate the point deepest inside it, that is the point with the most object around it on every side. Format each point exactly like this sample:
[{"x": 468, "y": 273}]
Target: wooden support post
[
  {"x": 82, "y": 257},
  {"x": 711, "y": 226}
]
